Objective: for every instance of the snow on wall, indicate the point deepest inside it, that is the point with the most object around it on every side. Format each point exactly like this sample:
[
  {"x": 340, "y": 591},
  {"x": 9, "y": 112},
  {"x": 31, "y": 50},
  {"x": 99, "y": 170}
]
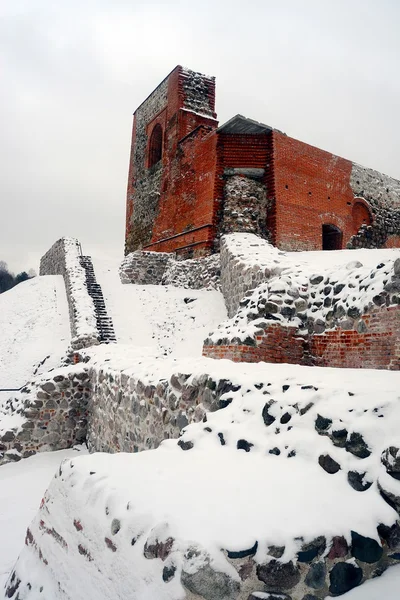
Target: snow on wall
[
  {"x": 311, "y": 293},
  {"x": 291, "y": 488},
  {"x": 246, "y": 261},
  {"x": 63, "y": 259},
  {"x": 50, "y": 413}
]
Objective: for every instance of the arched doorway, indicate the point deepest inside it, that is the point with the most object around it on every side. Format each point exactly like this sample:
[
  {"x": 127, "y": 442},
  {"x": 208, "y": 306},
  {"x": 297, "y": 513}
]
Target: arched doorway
[
  {"x": 331, "y": 237},
  {"x": 361, "y": 216}
]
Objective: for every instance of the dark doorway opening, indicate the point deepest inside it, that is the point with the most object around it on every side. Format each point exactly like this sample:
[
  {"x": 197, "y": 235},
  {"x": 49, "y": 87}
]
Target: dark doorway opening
[{"x": 331, "y": 237}]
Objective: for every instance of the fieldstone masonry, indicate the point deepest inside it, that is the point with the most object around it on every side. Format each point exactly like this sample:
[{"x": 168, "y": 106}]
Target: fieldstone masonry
[
  {"x": 53, "y": 412},
  {"x": 245, "y": 204},
  {"x": 147, "y": 181},
  {"x": 161, "y": 268},
  {"x": 130, "y": 415}
]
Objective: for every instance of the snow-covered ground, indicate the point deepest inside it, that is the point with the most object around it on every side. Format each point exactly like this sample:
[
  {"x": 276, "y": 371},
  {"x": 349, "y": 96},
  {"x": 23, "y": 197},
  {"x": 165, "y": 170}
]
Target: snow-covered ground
[
  {"x": 212, "y": 507},
  {"x": 161, "y": 319},
  {"x": 22, "y": 486},
  {"x": 34, "y": 326}
]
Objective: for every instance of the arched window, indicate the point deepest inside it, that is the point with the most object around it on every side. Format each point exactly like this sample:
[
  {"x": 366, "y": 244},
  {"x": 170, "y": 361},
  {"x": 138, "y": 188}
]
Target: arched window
[
  {"x": 155, "y": 146},
  {"x": 361, "y": 216},
  {"x": 331, "y": 237}
]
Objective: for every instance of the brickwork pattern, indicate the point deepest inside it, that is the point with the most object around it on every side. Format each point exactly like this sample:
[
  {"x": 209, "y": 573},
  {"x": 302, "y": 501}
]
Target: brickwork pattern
[{"x": 377, "y": 347}]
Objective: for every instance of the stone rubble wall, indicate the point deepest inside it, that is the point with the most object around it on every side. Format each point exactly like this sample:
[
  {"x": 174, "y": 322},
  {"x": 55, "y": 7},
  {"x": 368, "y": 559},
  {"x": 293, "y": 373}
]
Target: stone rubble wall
[
  {"x": 146, "y": 190},
  {"x": 52, "y": 413},
  {"x": 245, "y": 206},
  {"x": 243, "y": 267},
  {"x": 128, "y": 414},
  {"x": 382, "y": 194},
  {"x": 321, "y": 567},
  {"x": 161, "y": 268},
  {"x": 348, "y": 329},
  {"x": 63, "y": 258}
]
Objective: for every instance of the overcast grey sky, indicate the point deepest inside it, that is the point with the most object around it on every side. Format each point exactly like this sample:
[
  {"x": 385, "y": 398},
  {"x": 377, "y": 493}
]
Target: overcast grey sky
[{"x": 73, "y": 72}]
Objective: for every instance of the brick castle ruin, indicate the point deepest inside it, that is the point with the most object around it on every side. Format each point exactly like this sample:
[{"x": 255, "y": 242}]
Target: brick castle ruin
[{"x": 191, "y": 181}]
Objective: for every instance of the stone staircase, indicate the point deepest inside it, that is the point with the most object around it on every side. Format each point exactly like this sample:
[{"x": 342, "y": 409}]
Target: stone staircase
[{"x": 104, "y": 322}]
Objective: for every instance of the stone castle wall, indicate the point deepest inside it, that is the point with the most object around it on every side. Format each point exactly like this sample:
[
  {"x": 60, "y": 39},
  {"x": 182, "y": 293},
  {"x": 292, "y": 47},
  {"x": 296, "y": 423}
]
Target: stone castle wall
[
  {"x": 50, "y": 413},
  {"x": 63, "y": 258},
  {"x": 161, "y": 268}
]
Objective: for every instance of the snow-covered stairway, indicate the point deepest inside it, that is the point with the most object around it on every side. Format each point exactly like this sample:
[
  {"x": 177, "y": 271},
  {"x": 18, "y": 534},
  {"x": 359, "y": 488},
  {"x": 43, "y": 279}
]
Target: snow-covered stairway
[{"x": 104, "y": 322}]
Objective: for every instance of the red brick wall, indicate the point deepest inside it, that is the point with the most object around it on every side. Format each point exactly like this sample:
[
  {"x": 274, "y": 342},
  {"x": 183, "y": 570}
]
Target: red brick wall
[
  {"x": 312, "y": 187},
  {"x": 184, "y": 219},
  {"x": 377, "y": 348},
  {"x": 187, "y": 209}
]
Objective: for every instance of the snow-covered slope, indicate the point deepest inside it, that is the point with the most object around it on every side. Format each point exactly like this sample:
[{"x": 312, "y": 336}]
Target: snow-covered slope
[
  {"x": 22, "y": 486},
  {"x": 294, "y": 455},
  {"x": 163, "y": 319},
  {"x": 34, "y": 326}
]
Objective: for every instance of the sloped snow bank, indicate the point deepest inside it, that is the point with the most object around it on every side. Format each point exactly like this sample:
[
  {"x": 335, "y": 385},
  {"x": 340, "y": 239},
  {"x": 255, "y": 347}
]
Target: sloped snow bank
[
  {"x": 17, "y": 506},
  {"x": 278, "y": 491},
  {"x": 34, "y": 327},
  {"x": 162, "y": 319}
]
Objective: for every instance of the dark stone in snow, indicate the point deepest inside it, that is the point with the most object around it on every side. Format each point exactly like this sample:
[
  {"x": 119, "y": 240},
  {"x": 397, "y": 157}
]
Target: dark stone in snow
[
  {"x": 343, "y": 578},
  {"x": 185, "y": 445},
  {"x": 339, "y": 437},
  {"x": 315, "y": 577},
  {"x": 268, "y": 419},
  {"x": 306, "y": 408},
  {"x": 338, "y": 288},
  {"x": 244, "y": 445},
  {"x": 357, "y": 446},
  {"x": 275, "y": 451},
  {"x": 391, "y": 460},
  {"x": 316, "y": 279},
  {"x": 286, "y": 418},
  {"x": 285, "y": 387},
  {"x": 222, "y": 439},
  {"x": 390, "y": 498},
  {"x": 310, "y": 551},
  {"x": 365, "y": 549},
  {"x": 328, "y": 464},
  {"x": 391, "y": 535},
  {"x": 223, "y": 403},
  {"x": 322, "y": 424},
  {"x": 243, "y": 553},
  {"x": 168, "y": 573},
  {"x": 355, "y": 479},
  {"x": 279, "y": 575}
]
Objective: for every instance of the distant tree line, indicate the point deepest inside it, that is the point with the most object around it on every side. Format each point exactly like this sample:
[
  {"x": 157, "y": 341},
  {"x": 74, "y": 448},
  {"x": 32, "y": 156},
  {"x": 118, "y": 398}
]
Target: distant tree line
[{"x": 9, "y": 280}]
